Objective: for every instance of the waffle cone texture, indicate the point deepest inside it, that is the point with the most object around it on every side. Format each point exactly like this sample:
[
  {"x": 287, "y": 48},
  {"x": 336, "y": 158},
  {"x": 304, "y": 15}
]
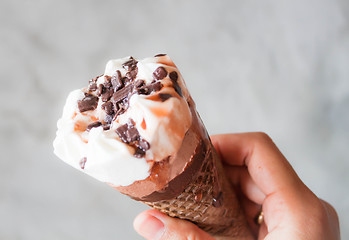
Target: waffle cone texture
[{"x": 208, "y": 201}]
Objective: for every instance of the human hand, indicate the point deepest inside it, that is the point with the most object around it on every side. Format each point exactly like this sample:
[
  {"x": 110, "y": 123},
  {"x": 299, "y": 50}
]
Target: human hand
[{"x": 267, "y": 182}]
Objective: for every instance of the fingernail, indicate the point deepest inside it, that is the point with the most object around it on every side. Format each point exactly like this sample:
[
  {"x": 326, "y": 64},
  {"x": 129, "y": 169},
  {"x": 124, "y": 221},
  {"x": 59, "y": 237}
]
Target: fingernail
[{"x": 148, "y": 226}]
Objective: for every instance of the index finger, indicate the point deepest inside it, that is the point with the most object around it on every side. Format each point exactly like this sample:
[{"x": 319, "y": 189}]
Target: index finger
[{"x": 268, "y": 168}]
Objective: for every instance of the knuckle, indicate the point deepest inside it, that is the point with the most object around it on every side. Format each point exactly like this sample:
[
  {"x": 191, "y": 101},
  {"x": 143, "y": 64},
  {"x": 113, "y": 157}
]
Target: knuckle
[
  {"x": 330, "y": 210},
  {"x": 262, "y": 137},
  {"x": 320, "y": 209}
]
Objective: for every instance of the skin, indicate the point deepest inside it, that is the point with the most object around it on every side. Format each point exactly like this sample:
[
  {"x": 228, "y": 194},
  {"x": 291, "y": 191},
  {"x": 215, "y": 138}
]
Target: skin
[{"x": 264, "y": 180}]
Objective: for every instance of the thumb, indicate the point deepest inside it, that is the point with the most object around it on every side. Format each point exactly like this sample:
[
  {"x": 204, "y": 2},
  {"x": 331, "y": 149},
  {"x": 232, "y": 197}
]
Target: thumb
[{"x": 154, "y": 225}]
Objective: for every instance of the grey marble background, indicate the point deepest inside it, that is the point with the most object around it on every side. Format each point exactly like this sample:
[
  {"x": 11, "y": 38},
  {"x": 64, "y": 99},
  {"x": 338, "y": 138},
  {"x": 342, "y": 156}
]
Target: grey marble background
[{"x": 276, "y": 66}]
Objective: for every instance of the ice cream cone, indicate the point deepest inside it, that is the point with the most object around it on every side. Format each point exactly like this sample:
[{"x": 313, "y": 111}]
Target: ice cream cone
[{"x": 136, "y": 128}]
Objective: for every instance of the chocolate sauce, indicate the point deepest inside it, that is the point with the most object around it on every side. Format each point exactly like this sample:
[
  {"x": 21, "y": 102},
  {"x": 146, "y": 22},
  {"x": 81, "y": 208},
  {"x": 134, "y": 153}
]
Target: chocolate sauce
[
  {"x": 173, "y": 76},
  {"x": 93, "y": 125}
]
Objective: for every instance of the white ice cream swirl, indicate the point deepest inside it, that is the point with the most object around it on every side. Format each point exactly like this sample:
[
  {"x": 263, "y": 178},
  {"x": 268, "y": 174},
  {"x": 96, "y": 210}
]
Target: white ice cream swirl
[{"x": 101, "y": 153}]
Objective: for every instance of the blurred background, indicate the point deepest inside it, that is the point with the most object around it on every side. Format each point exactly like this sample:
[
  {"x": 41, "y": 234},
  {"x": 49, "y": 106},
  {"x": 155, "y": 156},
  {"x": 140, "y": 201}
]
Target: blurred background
[{"x": 276, "y": 66}]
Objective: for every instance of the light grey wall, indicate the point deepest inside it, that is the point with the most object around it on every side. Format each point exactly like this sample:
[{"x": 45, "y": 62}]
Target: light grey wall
[{"x": 275, "y": 66}]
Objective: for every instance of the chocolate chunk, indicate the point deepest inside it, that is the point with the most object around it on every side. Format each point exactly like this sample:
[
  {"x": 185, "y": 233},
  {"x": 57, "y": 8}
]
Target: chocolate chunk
[
  {"x": 155, "y": 86},
  {"x": 121, "y": 131},
  {"x": 83, "y": 162},
  {"x": 144, "y": 90},
  {"x": 93, "y": 125},
  {"x": 118, "y": 106},
  {"x": 131, "y": 75},
  {"x": 116, "y": 80},
  {"x": 143, "y": 144},
  {"x": 129, "y": 134},
  {"x": 164, "y": 96},
  {"x": 120, "y": 110},
  {"x": 132, "y": 134},
  {"x": 173, "y": 76},
  {"x": 130, "y": 64},
  {"x": 139, "y": 83},
  {"x": 125, "y": 80},
  {"x": 140, "y": 87},
  {"x": 160, "y": 55},
  {"x": 160, "y": 73},
  {"x": 108, "y": 118},
  {"x": 107, "y": 94},
  {"x": 92, "y": 87},
  {"x": 89, "y": 102},
  {"x": 108, "y": 107},
  {"x": 107, "y": 83},
  {"x": 122, "y": 93},
  {"x": 100, "y": 90},
  {"x": 139, "y": 153}
]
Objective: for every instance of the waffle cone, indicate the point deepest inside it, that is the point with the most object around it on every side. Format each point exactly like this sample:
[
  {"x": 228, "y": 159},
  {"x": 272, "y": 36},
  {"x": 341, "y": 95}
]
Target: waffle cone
[{"x": 208, "y": 201}]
